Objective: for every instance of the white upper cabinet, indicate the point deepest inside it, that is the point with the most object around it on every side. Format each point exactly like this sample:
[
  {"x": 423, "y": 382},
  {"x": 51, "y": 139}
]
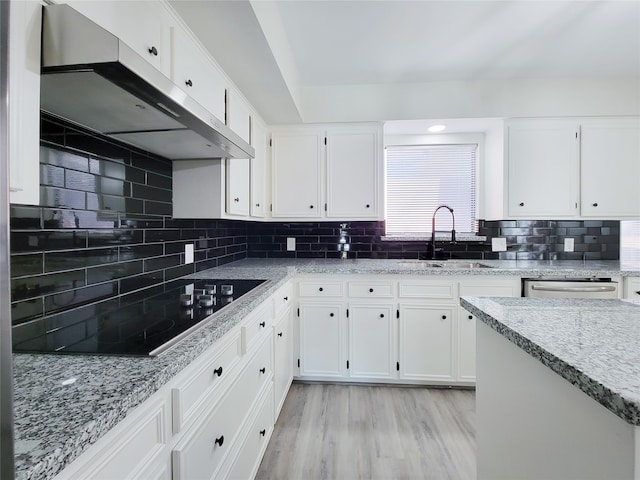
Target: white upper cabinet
[
  {"x": 193, "y": 71},
  {"x": 573, "y": 168},
  {"x": 297, "y": 169},
  {"x": 610, "y": 168},
  {"x": 543, "y": 158},
  {"x": 322, "y": 172},
  {"x": 238, "y": 173},
  {"x": 259, "y": 169},
  {"x": 24, "y": 101},
  {"x": 238, "y": 115},
  {"x": 353, "y": 172},
  {"x": 142, "y": 25}
]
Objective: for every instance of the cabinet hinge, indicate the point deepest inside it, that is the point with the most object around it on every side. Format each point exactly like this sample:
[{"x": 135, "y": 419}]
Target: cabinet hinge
[
  {"x": 347, "y": 313},
  {"x": 325, "y": 207},
  {"x": 347, "y": 364},
  {"x": 298, "y": 363},
  {"x": 398, "y": 313},
  {"x": 271, "y": 207},
  {"x": 576, "y": 134},
  {"x": 325, "y": 140},
  {"x": 398, "y": 366},
  {"x": 270, "y": 142},
  {"x": 298, "y": 312},
  {"x": 226, "y": 106}
]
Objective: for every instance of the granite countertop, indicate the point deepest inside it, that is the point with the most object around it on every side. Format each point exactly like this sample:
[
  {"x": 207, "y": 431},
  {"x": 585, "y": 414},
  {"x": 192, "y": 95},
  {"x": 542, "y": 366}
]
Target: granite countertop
[
  {"x": 64, "y": 403},
  {"x": 593, "y": 344}
]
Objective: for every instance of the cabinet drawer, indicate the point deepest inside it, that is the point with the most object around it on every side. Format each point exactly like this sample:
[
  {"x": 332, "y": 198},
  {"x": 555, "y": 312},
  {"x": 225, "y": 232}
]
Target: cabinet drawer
[
  {"x": 282, "y": 299},
  {"x": 371, "y": 289},
  {"x": 187, "y": 398},
  {"x": 202, "y": 451},
  {"x": 137, "y": 448},
  {"x": 255, "y": 325},
  {"x": 321, "y": 289},
  {"x": 248, "y": 460},
  {"x": 442, "y": 290}
]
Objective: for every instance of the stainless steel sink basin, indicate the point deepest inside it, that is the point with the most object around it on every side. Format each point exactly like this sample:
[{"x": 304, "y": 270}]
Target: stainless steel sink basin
[{"x": 450, "y": 264}]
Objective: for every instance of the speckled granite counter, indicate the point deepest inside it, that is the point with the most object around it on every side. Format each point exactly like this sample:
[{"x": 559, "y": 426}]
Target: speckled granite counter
[
  {"x": 54, "y": 423},
  {"x": 593, "y": 344}
]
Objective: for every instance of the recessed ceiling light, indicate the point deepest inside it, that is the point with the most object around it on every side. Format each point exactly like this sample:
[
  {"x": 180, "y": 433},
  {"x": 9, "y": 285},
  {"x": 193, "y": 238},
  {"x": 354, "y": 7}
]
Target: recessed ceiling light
[{"x": 436, "y": 128}]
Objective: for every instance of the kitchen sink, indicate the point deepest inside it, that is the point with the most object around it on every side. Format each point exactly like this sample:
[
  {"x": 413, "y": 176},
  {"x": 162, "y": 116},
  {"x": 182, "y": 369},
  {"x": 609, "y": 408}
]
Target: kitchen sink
[{"x": 450, "y": 264}]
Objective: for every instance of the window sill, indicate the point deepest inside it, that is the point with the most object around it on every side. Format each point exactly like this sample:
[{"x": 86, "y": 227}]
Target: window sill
[{"x": 440, "y": 237}]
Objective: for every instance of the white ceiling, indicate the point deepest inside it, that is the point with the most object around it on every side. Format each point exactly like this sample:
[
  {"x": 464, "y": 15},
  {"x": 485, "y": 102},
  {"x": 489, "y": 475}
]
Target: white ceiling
[{"x": 274, "y": 49}]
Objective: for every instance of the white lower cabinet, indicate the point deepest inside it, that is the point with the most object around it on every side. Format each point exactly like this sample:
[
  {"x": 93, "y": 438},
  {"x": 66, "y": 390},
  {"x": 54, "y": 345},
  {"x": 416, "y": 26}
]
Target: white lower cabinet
[
  {"x": 372, "y": 352},
  {"x": 283, "y": 359},
  {"x": 427, "y": 342},
  {"x": 322, "y": 340},
  {"x": 392, "y": 329},
  {"x": 632, "y": 288}
]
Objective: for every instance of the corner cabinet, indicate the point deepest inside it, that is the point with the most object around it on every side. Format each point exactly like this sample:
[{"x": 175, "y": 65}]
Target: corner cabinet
[
  {"x": 25, "y": 19},
  {"x": 573, "y": 168},
  {"x": 326, "y": 172}
]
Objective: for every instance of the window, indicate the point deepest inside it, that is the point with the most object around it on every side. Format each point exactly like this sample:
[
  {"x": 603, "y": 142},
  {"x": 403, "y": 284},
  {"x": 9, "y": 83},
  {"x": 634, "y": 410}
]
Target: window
[
  {"x": 630, "y": 241},
  {"x": 422, "y": 177}
]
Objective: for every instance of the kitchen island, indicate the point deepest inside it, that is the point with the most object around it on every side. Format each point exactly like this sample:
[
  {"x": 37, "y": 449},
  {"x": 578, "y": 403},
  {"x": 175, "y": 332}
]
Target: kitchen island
[
  {"x": 558, "y": 388},
  {"x": 66, "y": 403}
]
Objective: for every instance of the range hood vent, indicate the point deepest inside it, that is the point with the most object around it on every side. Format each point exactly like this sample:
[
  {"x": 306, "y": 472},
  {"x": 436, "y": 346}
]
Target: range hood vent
[{"x": 93, "y": 79}]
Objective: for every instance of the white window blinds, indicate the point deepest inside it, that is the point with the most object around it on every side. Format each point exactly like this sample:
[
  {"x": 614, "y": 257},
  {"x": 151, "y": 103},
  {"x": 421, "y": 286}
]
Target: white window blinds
[{"x": 422, "y": 177}]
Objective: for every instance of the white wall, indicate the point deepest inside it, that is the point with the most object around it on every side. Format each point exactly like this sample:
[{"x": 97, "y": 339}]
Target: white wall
[{"x": 511, "y": 98}]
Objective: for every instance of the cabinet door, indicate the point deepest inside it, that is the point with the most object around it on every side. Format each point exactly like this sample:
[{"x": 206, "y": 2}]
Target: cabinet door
[
  {"x": 283, "y": 363},
  {"x": 467, "y": 346},
  {"x": 195, "y": 73},
  {"x": 426, "y": 342},
  {"x": 372, "y": 340},
  {"x": 258, "y": 170},
  {"x": 25, "y": 19},
  {"x": 610, "y": 168},
  {"x": 238, "y": 115},
  {"x": 296, "y": 165},
  {"x": 238, "y": 171},
  {"x": 353, "y": 173},
  {"x": 143, "y": 25},
  {"x": 322, "y": 341},
  {"x": 543, "y": 162}
]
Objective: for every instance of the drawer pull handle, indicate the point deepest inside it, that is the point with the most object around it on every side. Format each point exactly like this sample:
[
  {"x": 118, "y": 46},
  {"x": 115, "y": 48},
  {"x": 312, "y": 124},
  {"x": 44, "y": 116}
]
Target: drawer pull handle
[
  {"x": 382, "y": 315},
  {"x": 321, "y": 289},
  {"x": 218, "y": 371},
  {"x": 153, "y": 51},
  {"x": 595, "y": 204},
  {"x": 220, "y": 440},
  {"x": 263, "y": 370},
  {"x": 371, "y": 290},
  {"x": 280, "y": 334},
  {"x": 638, "y": 292},
  {"x": 470, "y": 317},
  {"x": 521, "y": 204},
  {"x": 286, "y": 299},
  {"x": 444, "y": 317},
  {"x": 263, "y": 432},
  {"x": 262, "y": 324}
]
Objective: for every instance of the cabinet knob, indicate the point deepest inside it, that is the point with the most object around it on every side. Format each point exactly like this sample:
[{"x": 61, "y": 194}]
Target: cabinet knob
[
  {"x": 263, "y": 432},
  {"x": 382, "y": 315},
  {"x": 286, "y": 299},
  {"x": 280, "y": 334},
  {"x": 189, "y": 83},
  {"x": 371, "y": 290},
  {"x": 236, "y": 199},
  {"x": 263, "y": 370},
  {"x": 257, "y": 204},
  {"x": 220, "y": 440},
  {"x": 218, "y": 371},
  {"x": 521, "y": 204},
  {"x": 153, "y": 51},
  {"x": 311, "y": 206},
  {"x": 444, "y": 317},
  {"x": 368, "y": 206},
  {"x": 595, "y": 204},
  {"x": 321, "y": 289},
  {"x": 470, "y": 317},
  {"x": 331, "y": 314},
  {"x": 262, "y": 324}
]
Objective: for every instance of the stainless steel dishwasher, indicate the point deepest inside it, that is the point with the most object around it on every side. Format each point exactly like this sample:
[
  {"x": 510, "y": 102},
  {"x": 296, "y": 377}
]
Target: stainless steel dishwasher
[{"x": 571, "y": 288}]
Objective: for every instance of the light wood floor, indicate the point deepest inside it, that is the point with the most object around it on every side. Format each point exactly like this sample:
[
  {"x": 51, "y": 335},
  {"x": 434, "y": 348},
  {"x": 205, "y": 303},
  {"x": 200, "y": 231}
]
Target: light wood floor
[{"x": 372, "y": 432}]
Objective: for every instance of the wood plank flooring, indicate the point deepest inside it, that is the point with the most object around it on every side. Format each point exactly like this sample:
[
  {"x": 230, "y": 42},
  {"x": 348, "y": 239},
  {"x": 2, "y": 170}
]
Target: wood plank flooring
[{"x": 344, "y": 432}]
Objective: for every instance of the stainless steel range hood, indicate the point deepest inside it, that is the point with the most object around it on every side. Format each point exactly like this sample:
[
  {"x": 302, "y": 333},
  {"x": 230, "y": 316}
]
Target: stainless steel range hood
[{"x": 91, "y": 78}]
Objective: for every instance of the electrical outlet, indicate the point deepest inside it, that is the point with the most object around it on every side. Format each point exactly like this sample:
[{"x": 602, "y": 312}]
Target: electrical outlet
[
  {"x": 568, "y": 244},
  {"x": 499, "y": 244},
  {"x": 291, "y": 244},
  {"x": 188, "y": 253}
]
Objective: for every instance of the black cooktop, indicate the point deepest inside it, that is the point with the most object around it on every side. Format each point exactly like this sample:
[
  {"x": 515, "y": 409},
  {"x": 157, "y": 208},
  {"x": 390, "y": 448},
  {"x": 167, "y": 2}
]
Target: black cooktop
[{"x": 146, "y": 326}]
